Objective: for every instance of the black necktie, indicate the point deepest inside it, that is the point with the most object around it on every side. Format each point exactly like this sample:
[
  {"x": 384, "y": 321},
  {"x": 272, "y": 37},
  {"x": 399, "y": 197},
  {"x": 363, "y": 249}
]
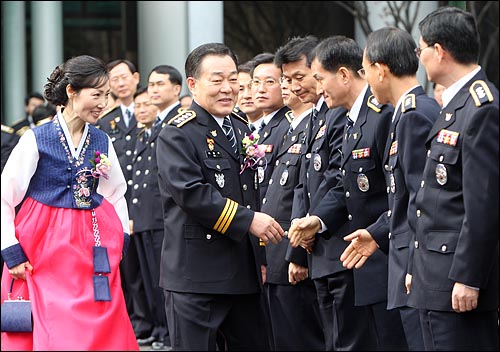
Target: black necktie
[
  {"x": 157, "y": 121},
  {"x": 252, "y": 127},
  {"x": 228, "y": 130},
  {"x": 262, "y": 125},
  {"x": 314, "y": 115},
  {"x": 348, "y": 127},
  {"x": 290, "y": 130},
  {"x": 129, "y": 117}
]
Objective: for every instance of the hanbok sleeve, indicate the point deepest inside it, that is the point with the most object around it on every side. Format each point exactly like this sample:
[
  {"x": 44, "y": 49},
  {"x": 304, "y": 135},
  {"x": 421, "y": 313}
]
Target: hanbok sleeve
[
  {"x": 114, "y": 188},
  {"x": 16, "y": 177}
]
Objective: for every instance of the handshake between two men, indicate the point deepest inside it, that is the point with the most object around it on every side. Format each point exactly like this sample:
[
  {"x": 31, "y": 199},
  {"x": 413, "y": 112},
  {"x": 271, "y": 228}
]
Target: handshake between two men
[{"x": 303, "y": 231}]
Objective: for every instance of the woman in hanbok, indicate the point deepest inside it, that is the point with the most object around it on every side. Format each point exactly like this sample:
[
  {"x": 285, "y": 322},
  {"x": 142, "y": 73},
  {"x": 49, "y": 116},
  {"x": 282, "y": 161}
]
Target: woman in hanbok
[{"x": 64, "y": 246}]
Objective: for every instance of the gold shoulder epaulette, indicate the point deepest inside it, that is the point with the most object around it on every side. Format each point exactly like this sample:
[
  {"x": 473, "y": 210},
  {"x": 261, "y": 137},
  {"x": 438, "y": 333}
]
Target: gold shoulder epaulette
[
  {"x": 236, "y": 109},
  {"x": 289, "y": 116},
  {"x": 409, "y": 103},
  {"x": 182, "y": 118},
  {"x": 480, "y": 93},
  {"x": 374, "y": 104},
  {"x": 108, "y": 110},
  {"x": 239, "y": 117},
  {"x": 21, "y": 131},
  {"x": 181, "y": 110},
  {"x": 7, "y": 129}
]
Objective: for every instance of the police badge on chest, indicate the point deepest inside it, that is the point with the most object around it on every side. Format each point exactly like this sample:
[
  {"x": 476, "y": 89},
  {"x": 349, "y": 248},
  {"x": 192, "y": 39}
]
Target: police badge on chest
[{"x": 219, "y": 178}]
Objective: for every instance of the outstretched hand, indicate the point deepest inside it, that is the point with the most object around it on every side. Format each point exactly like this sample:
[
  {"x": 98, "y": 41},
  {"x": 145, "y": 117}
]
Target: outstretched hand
[
  {"x": 303, "y": 230},
  {"x": 357, "y": 252}
]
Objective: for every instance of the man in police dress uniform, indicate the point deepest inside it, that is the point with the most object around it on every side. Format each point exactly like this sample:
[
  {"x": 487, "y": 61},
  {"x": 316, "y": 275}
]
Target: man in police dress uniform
[
  {"x": 319, "y": 172},
  {"x": 274, "y": 123},
  {"x": 455, "y": 270},
  {"x": 121, "y": 126},
  {"x": 210, "y": 265},
  {"x": 299, "y": 298},
  {"x": 361, "y": 196},
  {"x": 390, "y": 66}
]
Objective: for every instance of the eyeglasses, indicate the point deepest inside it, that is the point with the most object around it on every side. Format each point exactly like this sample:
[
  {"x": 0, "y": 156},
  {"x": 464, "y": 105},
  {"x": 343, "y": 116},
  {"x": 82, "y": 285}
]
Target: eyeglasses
[
  {"x": 362, "y": 70},
  {"x": 418, "y": 51},
  {"x": 268, "y": 82}
]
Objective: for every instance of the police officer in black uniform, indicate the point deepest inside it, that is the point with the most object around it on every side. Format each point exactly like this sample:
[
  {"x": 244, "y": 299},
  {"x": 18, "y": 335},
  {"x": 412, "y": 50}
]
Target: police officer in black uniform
[
  {"x": 121, "y": 126},
  {"x": 455, "y": 269},
  {"x": 390, "y": 66},
  {"x": 272, "y": 126},
  {"x": 320, "y": 172},
  {"x": 361, "y": 196},
  {"x": 210, "y": 265},
  {"x": 33, "y": 100}
]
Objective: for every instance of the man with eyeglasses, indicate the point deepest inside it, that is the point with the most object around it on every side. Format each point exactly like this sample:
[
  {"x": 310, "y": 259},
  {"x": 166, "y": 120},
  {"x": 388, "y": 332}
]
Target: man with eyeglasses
[
  {"x": 284, "y": 299},
  {"x": 272, "y": 126},
  {"x": 121, "y": 126},
  {"x": 390, "y": 66},
  {"x": 360, "y": 197},
  {"x": 456, "y": 268}
]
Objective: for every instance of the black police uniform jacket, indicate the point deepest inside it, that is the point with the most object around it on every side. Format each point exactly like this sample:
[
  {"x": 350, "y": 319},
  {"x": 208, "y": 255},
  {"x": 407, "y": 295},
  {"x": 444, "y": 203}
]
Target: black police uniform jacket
[
  {"x": 145, "y": 204},
  {"x": 208, "y": 208},
  {"x": 404, "y": 160},
  {"x": 457, "y": 205},
  {"x": 278, "y": 200},
  {"x": 9, "y": 140},
  {"x": 361, "y": 197},
  {"x": 319, "y": 172},
  {"x": 124, "y": 139},
  {"x": 271, "y": 137}
]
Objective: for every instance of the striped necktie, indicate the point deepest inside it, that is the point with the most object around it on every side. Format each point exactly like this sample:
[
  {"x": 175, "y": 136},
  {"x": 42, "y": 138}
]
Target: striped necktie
[{"x": 228, "y": 130}]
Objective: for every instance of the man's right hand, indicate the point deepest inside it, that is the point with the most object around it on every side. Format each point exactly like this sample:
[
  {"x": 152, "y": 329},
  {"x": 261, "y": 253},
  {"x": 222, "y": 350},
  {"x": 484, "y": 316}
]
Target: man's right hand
[
  {"x": 357, "y": 252},
  {"x": 266, "y": 228},
  {"x": 303, "y": 230}
]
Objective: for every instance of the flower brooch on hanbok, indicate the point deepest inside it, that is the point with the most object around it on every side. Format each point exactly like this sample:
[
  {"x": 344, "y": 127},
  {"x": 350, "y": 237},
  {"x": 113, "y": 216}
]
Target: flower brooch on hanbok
[
  {"x": 254, "y": 153},
  {"x": 101, "y": 165},
  {"x": 86, "y": 179}
]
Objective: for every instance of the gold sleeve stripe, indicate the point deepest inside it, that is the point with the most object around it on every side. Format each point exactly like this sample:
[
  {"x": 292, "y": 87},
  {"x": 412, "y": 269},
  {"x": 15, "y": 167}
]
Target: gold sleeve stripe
[
  {"x": 225, "y": 215},
  {"x": 230, "y": 218},
  {"x": 261, "y": 243}
]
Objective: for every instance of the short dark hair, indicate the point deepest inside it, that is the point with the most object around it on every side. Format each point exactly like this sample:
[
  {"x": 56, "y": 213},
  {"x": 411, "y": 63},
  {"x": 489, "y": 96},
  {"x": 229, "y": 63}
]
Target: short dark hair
[
  {"x": 336, "y": 51},
  {"x": 195, "y": 57},
  {"x": 259, "y": 59},
  {"x": 35, "y": 95},
  {"x": 174, "y": 76},
  {"x": 112, "y": 64},
  {"x": 79, "y": 72},
  {"x": 295, "y": 49},
  {"x": 140, "y": 90},
  {"x": 455, "y": 30},
  {"x": 395, "y": 48},
  {"x": 44, "y": 111}
]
